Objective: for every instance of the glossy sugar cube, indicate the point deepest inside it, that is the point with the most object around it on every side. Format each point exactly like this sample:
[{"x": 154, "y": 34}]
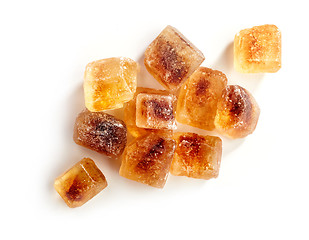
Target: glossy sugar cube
[
  {"x": 130, "y": 114},
  {"x": 148, "y": 159},
  {"x": 109, "y": 83},
  {"x": 155, "y": 111},
  {"x": 80, "y": 183},
  {"x": 171, "y": 58},
  {"x": 100, "y": 132},
  {"x": 258, "y": 49},
  {"x": 237, "y": 113},
  {"x": 196, "y": 156},
  {"x": 198, "y": 98}
]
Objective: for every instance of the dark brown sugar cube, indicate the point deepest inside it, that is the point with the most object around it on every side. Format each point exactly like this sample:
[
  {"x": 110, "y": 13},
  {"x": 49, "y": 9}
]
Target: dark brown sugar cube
[
  {"x": 148, "y": 159},
  {"x": 196, "y": 156},
  {"x": 100, "y": 132},
  {"x": 237, "y": 113},
  {"x": 155, "y": 111},
  {"x": 130, "y": 114},
  {"x": 80, "y": 183},
  {"x": 198, "y": 98},
  {"x": 171, "y": 58}
]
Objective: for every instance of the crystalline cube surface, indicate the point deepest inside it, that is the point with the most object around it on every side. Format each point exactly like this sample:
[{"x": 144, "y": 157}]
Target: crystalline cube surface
[
  {"x": 80, "y": 183},
  {"x": 258, "y": 49},
  {"x": 171, "y": 58},
  {"x": 109, "y": 83},
  {"x": 198, "y": 98},
  {"x": 237, "y": 113},
  {"x": 130, "y": 114},
  {"x": 100, "y": 132},
  {"x": 148, "y": 159},
  {"x": 196, "y": 156},
  {"x": 155, "y": 111}
]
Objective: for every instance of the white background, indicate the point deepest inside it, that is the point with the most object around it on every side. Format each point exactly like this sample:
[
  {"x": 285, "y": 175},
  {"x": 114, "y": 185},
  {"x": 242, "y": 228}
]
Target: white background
[{"x": 262, "y": 188}]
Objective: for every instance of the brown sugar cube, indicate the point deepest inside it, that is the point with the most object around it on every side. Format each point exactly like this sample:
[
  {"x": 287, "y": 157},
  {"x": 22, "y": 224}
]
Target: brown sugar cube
[
  {"x": 109, "y": 83},
  {"x": 155, "y": 111},
  {"x": 100, "y": 132},
  {"x": 198, "y": 98},
  {"x": 196, "y": 156},
  {"x": 237, "y": 113},
  {"x": 130, "y": 114},
  {"x": 80, "y": 183},
  {"x": 148, "y": 159},
  {"x": 171, "y": 58},
  {"x": 258, "y": 49}
]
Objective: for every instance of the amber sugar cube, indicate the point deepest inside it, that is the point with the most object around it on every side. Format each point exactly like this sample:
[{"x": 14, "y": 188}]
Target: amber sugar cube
[
  {"x": 237, "y": 113},
  {"x": 171, "y": 58},
  {"x": 196, "y": 156},
  {"x": 80, "y": 183},
  {"x": 130, "y": 114},
  {"x": 109, "y": 83},
  {"x": 198, "y": 98},
  {"x": 100, "y": 132},
  {"x": 155, "y": 111},
  {"x": 148, "y": 159},
  {"x": 258, "y": 49}
]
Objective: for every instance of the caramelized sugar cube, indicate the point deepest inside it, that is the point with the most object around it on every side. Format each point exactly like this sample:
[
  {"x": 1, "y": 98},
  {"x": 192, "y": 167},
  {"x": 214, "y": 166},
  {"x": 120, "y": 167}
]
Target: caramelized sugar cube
[
  {"x": 171, "y": 58},
  {"x": 100, "y": 132},
  {"x": 148, "y": 159},
  {"x": 198, "y": 98},
  {"x": 109, "y": 83},
  {"x": 196, "y": 156},
  {"x": 258, "y": 49},
  {"x": 155, "y": 111},
  {"x": 130, "y": 114},
  {"x": 80, "y": 183},
  {"x": 237, "y": 113}
]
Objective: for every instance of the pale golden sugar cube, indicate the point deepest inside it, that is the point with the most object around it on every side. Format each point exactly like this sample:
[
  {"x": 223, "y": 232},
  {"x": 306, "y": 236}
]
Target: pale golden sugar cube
[
  {"x": 109, "y": 83},
  {"x": 258, "y": 49},
  {"x": 155, "y": 111},
  {"x": 171, "y": 58},
  {"x": 80, "y": 183},
  {"x": 196, "y": 156},
  {"x": 130, "y": 114},
  {"x": 198, "y": 98},
  {"x": 148, "y": 159},
  {"x": 237, "y": 113}
]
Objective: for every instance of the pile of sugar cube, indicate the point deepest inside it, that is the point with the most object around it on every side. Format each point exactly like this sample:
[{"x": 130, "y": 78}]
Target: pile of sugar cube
[{"x": 194, "y": 95}]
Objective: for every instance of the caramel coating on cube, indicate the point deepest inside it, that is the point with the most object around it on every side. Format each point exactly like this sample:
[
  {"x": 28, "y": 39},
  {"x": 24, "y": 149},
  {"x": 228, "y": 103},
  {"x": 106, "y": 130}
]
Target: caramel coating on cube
[
  {"x": 155, "y": 111},
  {"x": 147, "y": 160},
  {"x": 258, "y": 49},
  {"x": 100, "y": 132},
  {"x": 160, "y": 109},
  {"x": 237, "y": 113},
  {"x": 109, "y": 83},
  {"x": 198, "y": 98},
  {"x": 80, "y": 183},
  {"x": 196, "y": 156},
  {"x": 171, "y": 58},
  {"x": 130, "y": 114}
]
